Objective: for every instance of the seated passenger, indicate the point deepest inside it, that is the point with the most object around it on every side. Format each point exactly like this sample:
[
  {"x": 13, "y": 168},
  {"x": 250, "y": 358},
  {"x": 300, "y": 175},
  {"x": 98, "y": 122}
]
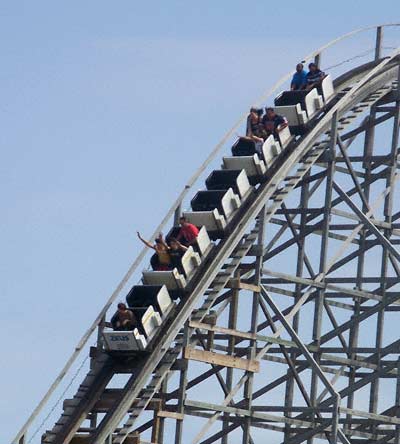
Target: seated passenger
[
  {"x": 254, "y": 127},
  {"x": 299, "y": 80},
  {"x": 176, "y": 251},
  {"x": 162, "y": 250},
  {"x": 314, "y": 76},
  {"x": 273, "y": 123},
  {"x": 188, "y": 233},
  {"x": 123, "y": 319}
]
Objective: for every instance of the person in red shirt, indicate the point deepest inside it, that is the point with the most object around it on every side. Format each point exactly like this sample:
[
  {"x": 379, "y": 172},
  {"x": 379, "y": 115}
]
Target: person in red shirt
[{"x": 188, "y": 232}]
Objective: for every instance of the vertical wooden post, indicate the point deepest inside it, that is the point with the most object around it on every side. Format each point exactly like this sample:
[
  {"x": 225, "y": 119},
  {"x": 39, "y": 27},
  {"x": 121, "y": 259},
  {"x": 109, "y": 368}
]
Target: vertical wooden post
[
  {"x": 177, "y": 214},
  {"x": 317, "y": 60},
  {"x": 155, "y": 431},
  {"x": 378, "y": 43}
]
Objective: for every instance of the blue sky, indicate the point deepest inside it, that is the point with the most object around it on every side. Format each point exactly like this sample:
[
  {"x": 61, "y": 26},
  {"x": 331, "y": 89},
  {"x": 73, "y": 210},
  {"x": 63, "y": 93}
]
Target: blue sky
[{"x": 106, "y": 109}]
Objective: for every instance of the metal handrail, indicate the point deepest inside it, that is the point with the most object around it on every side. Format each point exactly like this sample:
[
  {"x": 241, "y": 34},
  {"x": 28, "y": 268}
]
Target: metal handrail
[{"x": 20, "y": 437}]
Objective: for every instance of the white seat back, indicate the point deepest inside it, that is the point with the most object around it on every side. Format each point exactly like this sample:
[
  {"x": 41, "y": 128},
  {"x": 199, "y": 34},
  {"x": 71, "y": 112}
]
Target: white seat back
[
  {"x": 293, "y": 113},
  {"x": 173, "y": 280},
  {"x": 164, "y": 300},
  {"x": 243, "y": 184},
  {"x": 150, "y": 321},
  {"x": 311, "y": 102},
  {"x": 230, "y": 203},
  {"x": 270, "y": 149},
  {"x": 328, "y": 91},
  {"x": 190, "y": 261},
  {"x": 212, "y": 220},
  {"x": 253, "y": 165},
  {"x": 284, "y": 136},
  {"x": 203, "y": 241}
]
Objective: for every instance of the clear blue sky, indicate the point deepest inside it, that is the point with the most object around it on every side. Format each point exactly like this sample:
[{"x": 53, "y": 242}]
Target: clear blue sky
[{"x": 106, "y": 109}]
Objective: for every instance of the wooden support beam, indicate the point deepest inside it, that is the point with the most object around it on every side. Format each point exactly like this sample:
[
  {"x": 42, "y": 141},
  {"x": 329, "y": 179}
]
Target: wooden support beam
[
  {"x": 170, "y": 415},
  {"x": 134, "y": 438},
  {"x": 224, "y": 360},
  {"x": 236, "y": 284},
  {"x": 228, "y": 331},
  {"x": 247, "y": 335},
  {"x": 155, "y": 430},
  {"x": 106, "y": 402}
]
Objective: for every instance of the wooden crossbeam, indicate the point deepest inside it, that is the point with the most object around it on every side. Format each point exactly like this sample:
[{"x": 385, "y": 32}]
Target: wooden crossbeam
[
  {"x": 239, "y": 285},
  {"x": 85, "y": 439},
  {"x": 171, "y": 415},
  {"x": 247, "y": 335},
  {"x": 224, "y": 360},
  {"x": 228, "y": 331},
  {"x": 106, "y": 402}
]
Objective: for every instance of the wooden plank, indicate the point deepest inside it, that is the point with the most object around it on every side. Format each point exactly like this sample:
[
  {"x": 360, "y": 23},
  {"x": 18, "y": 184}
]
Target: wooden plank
[
  {"x": 85, "y": 439},
  {"x": 228, "y": 331},
  {"x": 224, "y": 360},
  {"x": 171, "y": 415},
  {"x": 247, "y": 335},
  {"x": 106, "y": 402},
  {"x": 373, "y": 416},
  {"x": 236, "y": 284}
]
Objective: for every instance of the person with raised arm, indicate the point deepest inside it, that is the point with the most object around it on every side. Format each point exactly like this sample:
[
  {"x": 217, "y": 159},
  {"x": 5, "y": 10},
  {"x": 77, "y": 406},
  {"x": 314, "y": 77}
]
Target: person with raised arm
[{"x": 162, "y": 250}]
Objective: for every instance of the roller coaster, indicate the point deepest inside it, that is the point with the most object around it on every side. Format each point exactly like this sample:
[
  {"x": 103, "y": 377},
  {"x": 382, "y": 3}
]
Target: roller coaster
[{"x": 281, "y": 324}]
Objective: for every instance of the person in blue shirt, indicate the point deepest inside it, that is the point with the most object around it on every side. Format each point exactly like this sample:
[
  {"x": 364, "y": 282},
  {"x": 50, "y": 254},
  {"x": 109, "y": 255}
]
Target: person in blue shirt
[
  {"x": 314, "y": 76},
  {"x": 299, "y": 80}
]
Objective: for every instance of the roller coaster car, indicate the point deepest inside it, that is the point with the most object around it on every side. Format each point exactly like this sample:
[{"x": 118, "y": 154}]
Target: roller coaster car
[
  {"x": 173, "y": 280},
  {"x": 124, "y": 341},
  {"x": 137, "y": 339},
  {"x": 299, "y": 107},
  {"x": 244, "y": 147},
  {"x": 254, "y": 166},
  {"x": 144, "y": 296},
  {"x": 151, "y": 305},
  {"x": 225, "y": 179},
  {"x": 211, "y": 205},
  {"x": 202, "y": 245},
  {"x": 213, "y": 220}
]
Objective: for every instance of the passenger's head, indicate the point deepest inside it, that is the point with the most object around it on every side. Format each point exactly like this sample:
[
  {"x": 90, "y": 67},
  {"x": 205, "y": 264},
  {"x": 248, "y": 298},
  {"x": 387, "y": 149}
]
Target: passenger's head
[
  {"x": 121, "y": 306},
  {"x": 173, "y": 243},
  {"x": 312, "y": 67},
  {"x": 182, "y": 221},
  {"x": 270, "y": 112},
  {"x": 299, "y": 67},
  {"x": 256, "y": 112}
]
